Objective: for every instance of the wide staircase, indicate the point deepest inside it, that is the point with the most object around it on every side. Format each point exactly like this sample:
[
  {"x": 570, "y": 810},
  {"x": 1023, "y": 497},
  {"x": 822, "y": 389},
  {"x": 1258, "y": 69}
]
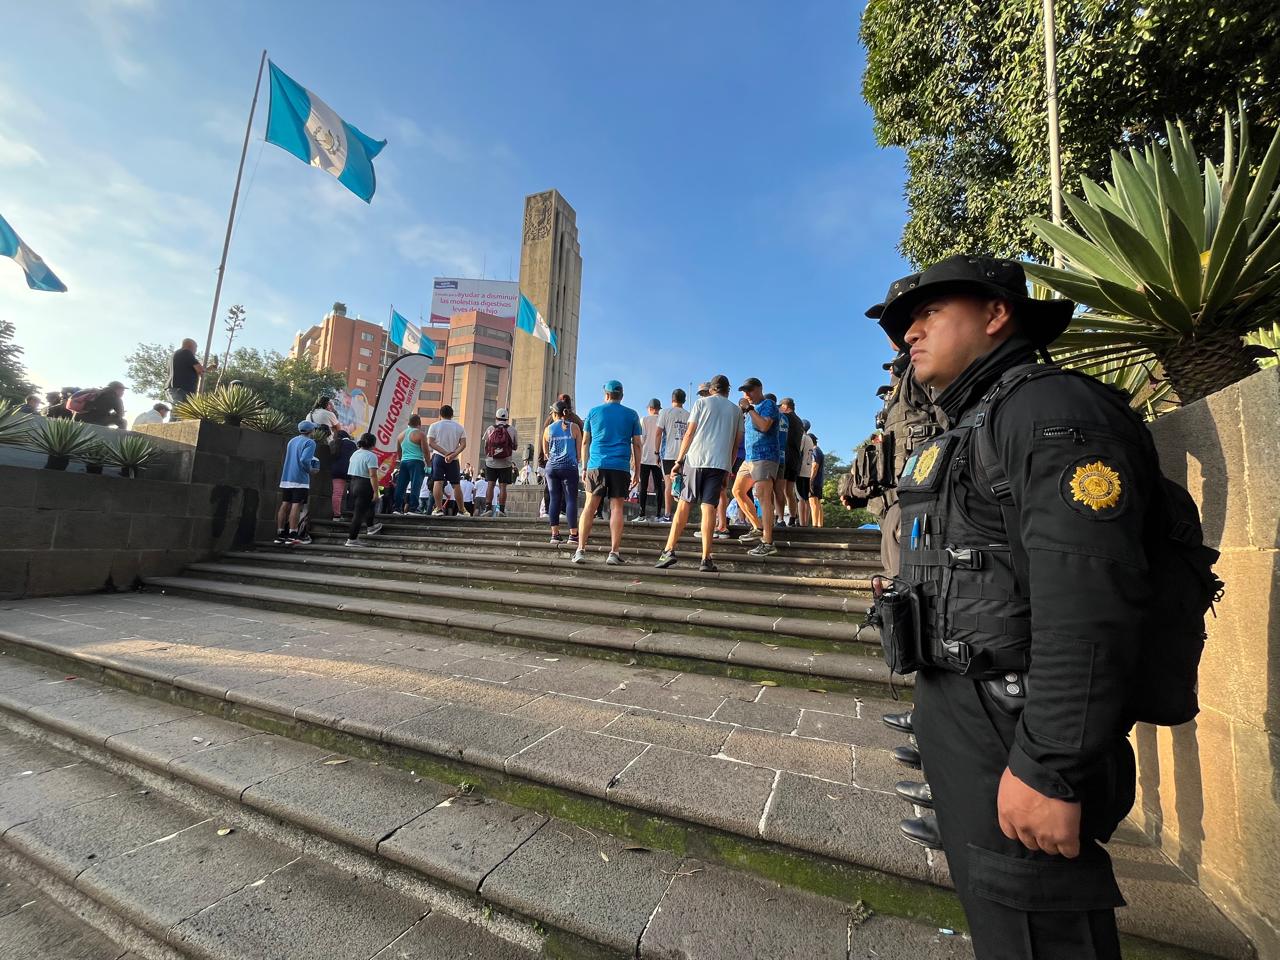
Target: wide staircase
[{"x": 451, "y": 742}]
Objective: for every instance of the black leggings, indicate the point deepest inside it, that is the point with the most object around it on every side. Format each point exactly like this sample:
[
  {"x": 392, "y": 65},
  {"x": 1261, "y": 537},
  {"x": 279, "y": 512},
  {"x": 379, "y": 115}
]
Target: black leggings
[
  {"x": 651, "y": 473},
  {"x": 361, "y": 505}
]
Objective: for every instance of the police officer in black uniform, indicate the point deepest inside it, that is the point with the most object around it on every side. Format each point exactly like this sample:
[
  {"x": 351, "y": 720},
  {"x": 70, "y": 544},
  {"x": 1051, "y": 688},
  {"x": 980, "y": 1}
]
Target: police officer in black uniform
[{"x": 1022, "y": 550}]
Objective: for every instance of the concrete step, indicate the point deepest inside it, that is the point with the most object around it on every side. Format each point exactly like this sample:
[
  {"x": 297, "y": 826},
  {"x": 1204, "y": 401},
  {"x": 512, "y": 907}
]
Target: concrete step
[
  {"x": 834, "y": 537},
  {"x": 733, "y": 558},
  {"x": 314, "y": 833},
  {"x": 851, "y": 667},
  {"x": 193, "y": 874},
  {"x": 829, "y": 631},
  {"x": 34, "y": 926},
  {"x": 565, "y": 579},
  {"x": 686, "y": 571},
  {"x": 791, "y": 784}
]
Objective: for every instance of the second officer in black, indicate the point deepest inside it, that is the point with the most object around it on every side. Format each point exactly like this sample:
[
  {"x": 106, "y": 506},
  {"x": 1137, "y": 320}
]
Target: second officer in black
[{"x": 1022, "y": 551}]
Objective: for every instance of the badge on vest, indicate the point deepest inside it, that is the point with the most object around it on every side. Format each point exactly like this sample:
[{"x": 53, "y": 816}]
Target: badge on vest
[
  {"x": 926, "y": 465},
  {"x": 1094, "y": 488}
]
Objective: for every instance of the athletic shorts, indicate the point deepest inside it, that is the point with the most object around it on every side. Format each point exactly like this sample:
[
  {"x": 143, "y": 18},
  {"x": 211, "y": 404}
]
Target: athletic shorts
[
  {"x": 499, "y": 475},
  {"x": 447, "y": 471},
  {"x": 737, "y": 465},
  {"x": 759, "y": 469},
  {"x": 802, "y": 488},
  {"x": 703, "y": 485},
  {"x": 614, "y": 484},
  {"x": 294, "y": 494},
  {"x": 790, "y": 473},
  {"x": 667, "y": 467}
]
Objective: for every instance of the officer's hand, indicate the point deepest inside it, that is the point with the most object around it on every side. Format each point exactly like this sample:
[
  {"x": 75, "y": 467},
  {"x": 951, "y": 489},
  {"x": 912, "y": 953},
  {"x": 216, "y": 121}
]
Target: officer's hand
[{"x": 1039, "y": 822}]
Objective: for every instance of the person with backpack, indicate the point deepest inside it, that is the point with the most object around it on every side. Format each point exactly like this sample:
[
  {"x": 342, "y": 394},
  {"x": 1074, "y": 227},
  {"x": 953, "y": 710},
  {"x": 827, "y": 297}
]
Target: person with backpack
[
  {"x": 1034, "y": 605},
  {"x": 103, "y": 407},
  {"x": 295, "y": 485},
  {"x": 499, "y": 443}
]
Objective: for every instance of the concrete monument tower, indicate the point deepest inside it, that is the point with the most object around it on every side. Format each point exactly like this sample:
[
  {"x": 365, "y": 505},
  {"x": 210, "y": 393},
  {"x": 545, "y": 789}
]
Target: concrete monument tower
[{"x": 551, "y": 277}]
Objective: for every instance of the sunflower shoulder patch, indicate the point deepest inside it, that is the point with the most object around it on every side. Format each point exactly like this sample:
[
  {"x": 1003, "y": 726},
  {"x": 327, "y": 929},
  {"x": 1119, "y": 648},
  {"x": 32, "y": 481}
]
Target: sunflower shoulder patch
[{"x": 1095, "y": 487}]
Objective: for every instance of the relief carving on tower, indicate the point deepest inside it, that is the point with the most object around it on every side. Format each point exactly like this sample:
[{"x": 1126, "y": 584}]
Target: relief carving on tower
[{"x": 537, "y": 217}]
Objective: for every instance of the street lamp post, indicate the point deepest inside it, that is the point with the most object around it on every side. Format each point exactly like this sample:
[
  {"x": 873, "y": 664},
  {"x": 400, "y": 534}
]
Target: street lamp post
[{"x": 1051, "y": 105}]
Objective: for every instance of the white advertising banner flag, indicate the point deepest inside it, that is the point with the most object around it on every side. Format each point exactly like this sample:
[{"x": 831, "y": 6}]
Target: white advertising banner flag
[{"x": 397, "y": 399}]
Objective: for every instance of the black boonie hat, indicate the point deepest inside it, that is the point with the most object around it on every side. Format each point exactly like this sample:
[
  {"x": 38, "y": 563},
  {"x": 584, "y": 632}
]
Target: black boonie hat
[
  {"x": 876, "y": 309},
  {"x": 1040, "y": 321}
]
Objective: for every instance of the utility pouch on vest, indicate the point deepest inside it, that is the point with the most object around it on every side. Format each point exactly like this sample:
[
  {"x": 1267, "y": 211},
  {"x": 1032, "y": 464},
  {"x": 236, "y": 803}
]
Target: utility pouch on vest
[{"x": 897, "y": 612}]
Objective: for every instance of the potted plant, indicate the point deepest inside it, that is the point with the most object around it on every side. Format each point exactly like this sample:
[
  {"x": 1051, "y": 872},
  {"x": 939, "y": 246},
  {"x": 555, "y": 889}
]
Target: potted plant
[
  {"x": 131, "y": 453},
  {"x": 14, "y": 426},
  {"x": 95, "y": 455},
  {"x": 271, "y": 420},
  {"x": 60, "y": 441},
  {"x": 235, "y": 405},
  {"x": 195, "y": 407}
]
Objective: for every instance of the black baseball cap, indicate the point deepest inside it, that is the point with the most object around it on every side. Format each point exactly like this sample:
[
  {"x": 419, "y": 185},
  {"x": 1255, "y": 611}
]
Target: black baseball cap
[{"x": 751, "y": 383}]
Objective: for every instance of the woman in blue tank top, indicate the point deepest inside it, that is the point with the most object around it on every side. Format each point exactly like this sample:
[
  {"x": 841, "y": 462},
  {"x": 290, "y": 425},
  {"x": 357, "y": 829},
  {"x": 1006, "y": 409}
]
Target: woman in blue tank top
[{"x": 563, "y": 441}]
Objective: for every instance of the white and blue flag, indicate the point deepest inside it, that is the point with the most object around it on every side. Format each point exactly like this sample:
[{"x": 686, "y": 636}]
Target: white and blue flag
[
  {"x": 39, "y": 276},
  {"x": 530, "y": 321},
  {"x": 303, "y": 124},
  {"x": 408, "y": 336}
]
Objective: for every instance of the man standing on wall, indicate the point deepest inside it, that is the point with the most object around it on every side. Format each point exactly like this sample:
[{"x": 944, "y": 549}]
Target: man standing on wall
[{"x": 185, "y": 372}]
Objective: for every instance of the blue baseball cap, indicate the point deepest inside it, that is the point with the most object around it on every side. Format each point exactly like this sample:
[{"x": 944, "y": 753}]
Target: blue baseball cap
[
  {"x": 613, "y": 386},
  {"x": 305, "y": 426}
]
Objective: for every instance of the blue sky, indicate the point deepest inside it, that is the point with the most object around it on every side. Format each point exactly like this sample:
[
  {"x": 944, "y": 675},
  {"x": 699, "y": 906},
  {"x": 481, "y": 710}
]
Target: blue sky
[{"x": 734, "y": 212}]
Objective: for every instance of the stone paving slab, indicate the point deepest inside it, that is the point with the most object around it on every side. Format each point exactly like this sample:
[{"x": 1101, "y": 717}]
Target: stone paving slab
[
  {"x": 24, "y": 798},
  {"x": 653, "y": 696},
  {"x": 356, "y": 802},
  {"x": 302, "y": 912},
  {"x": 462, "y": 839},
  {"x": 69, "y": 841},
  {"x": 104, "y": 715},
  {"x": 575, "y": 712},
  {"x": 584, "y": 882},
  {"x": 42, "y": 693},
  {"x": 292, "y": 691},
  {"x": 232, "y": 768},
  {"x": 158, "y": 745},
  {"x": 583, "y": 762},
  {"x": 369, "y": 712},
  {"x": 716, "y": 914},
  {"x": 676, "y": 732},
  {"x": 474, "y": 735},
  {"x": 163, "y": 883},
  {"x": 440, "y": 937},
  {"x": 762, "y": 716},
  {"x": 817, "y": 758},
  {"x": 42, "y": 930}
]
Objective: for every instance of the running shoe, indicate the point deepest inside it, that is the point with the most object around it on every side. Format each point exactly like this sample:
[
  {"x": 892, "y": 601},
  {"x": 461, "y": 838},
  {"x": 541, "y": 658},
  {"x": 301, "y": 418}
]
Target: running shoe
[
  {"x": 666, "y": 559},
  {"x": 375, "y": 529},
  {"x": 282, "y": 538},
  {"x": 556, "y": 541},
  {"x": 396, "y": 513},
  {"x": 763, "y": 550},
  {"x": 706, "y": 566},
  {"x": 663, "y": 519},
  {"x": 437, "y": 513},
  {"x": 573, "y": 539},
  {"x": 352, "y": 543},
  {"x": 614, "y": 560},
  {"x": 579, "y": 556},
  {"x": 640, "y": 519},
  {"x": 751, "y": 536},
  {"x": 720, "y": 535}
]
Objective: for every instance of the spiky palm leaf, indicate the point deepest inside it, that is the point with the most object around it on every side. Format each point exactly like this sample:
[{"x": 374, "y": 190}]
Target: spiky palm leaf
[
  {"x": 271, "y": 420},
  {"x": 1174, "y": 262},
  {"x": 1268, "y": 339},
  {"x": 61, "y": 438},
  {"x": 14, "y": 426},
  {"x": 131, "y": 450},
  {"x": 233, "y": 404},
  {"x": 195, "y": 407}
]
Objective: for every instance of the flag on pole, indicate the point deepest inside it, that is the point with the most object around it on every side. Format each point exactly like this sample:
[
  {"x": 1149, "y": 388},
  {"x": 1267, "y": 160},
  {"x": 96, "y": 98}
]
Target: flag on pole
[
  {"x": 39, "y": 276},
  {"x": 408, "y": 336},
  {"x": 303, "y": 124},
  {"x": 530, "y": 321}
]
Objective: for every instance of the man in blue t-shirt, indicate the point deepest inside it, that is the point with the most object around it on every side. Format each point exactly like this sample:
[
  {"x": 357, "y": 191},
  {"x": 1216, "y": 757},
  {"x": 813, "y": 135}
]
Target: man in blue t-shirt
[
  {"x": 611, "y": 445},
  {"x": 760, "y": 468}
]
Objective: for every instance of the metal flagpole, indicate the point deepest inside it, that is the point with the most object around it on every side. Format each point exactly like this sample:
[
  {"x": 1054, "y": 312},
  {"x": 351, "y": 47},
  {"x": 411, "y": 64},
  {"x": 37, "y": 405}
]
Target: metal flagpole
[
  {"x": 231, "y": 217},
  {"x": 1051, "y": 104}
]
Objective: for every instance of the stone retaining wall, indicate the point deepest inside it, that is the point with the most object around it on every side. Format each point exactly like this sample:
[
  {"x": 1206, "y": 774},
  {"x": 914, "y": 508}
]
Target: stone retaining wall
[{"x": 1209, "y": 791}]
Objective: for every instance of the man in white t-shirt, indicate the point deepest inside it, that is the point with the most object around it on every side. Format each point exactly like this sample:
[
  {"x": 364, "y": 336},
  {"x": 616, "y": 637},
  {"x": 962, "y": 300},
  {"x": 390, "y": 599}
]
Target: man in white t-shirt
[
  {"x": 446, "y": 439},
  {"x": 672, "y": 423},
  {"x": 468, "y": 494},
  {"x": 499, "y": 445},
  {"x": 651, "y": 464},
  {"x": 702, "y": 464}
]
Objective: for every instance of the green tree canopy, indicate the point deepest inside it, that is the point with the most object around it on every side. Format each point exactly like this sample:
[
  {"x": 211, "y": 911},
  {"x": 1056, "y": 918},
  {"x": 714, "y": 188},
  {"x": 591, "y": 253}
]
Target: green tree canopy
[
  {"x": 290, "y": 385},
  {"x": 13, "y": 375},
  {"x": 960, "y": 86}
]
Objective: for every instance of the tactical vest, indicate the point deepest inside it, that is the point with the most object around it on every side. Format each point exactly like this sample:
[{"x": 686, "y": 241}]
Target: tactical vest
[
  {"x": 973, "y": 617},
  {"x": 908, "y": 419}
]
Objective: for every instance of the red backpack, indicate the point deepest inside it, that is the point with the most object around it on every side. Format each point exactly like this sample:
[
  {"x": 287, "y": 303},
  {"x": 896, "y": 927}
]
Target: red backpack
[
  {"x": 498, "y": 445},
  {"x": 81, "y": 400}
]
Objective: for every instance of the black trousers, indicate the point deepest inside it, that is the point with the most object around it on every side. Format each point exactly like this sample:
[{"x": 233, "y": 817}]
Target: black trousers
[
  {"x": 361, "y": 491},
  {"x": 1021, "y": 904},
  {"x": 651, "y": 476}
]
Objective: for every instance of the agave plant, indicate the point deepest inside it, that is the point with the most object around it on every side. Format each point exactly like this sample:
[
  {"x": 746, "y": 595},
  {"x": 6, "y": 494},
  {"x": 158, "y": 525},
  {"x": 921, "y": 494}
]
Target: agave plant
[
  {"x": 195, "y": 407},
  {"x": 131, "y": 453},
  {"x": 14, "y": 426},
  {"x": 271, "y": 420},
  {"x": 234, "y": 405},
  {"x": 60, "y": 441},
  {"x": 95, "y": 455},
  {"x": 1175, "y": 263},
  {"x": 1267, "y": 343}
]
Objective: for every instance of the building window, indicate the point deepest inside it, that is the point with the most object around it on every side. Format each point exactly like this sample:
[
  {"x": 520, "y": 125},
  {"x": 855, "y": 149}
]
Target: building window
[
  {"x": 429, "y": 413},
  {"x": 490, "y": 410},
  {"x": 366, "y": 352},
  {"x": 367, "y": 337},
  {"x": 429, "y": 395},
  {"x": 362, "y": 367},
  {"x": 456, "y": 396},
  {"x": 433, "y": 378},
  {"x": 489, "y": 333},
  {"x": 479, "y": 349},
  {"x": 361, "y": 382}
]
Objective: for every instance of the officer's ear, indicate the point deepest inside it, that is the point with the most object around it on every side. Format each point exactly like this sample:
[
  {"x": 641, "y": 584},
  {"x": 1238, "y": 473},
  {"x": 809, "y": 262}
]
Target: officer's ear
[{"x": 1001, "y": 322}]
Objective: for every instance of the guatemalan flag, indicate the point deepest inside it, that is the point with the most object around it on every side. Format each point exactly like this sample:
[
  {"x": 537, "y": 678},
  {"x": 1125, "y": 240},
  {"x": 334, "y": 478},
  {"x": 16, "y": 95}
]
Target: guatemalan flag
[
  {"x": 303, "y": 124},
  {"x": 530, "y": 321},
  {"x": 39, "y": 276},
  {"x": 409, "y": 336}
]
